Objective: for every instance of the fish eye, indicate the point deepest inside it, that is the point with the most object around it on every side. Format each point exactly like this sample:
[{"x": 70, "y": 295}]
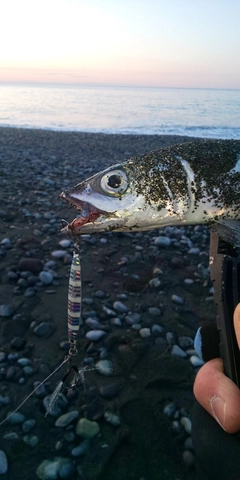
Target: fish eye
[{"x": 114, "y": 182}]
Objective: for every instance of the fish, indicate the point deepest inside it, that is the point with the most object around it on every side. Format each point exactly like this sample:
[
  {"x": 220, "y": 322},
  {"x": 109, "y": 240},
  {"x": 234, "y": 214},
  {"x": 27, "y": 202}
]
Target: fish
[{"x": 190, "y": 183}]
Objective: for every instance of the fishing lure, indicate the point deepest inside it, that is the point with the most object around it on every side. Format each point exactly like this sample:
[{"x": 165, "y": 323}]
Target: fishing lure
[{"x": 74, "y": 322}]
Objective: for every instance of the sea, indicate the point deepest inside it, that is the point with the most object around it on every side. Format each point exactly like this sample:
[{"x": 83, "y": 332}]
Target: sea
[{"x": 205, "y": 113}]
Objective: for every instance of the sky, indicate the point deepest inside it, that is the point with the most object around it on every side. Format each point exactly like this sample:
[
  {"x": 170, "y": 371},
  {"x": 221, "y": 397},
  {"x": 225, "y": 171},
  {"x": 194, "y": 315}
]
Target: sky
[{"x": 161, "y": 43}]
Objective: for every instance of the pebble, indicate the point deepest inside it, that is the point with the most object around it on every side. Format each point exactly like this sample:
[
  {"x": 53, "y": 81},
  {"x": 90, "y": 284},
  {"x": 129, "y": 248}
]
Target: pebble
[
  {"x": 6, "y": 310},
  {"x": 6, "y": 242},
  {"x": 177, "y": 299},
  {"x": 154, "y": 311},
  {"x": 162, "y": 241},
  {"x": 87, "y": 429},
  {"x": 112, "y": 418},
  {"x": 92, "y": 323},
  {"x": 24, "y": 361},
  {"x": 67, "y": 469},
  {"x": 58, "y": 254},
  {"x": 48, "y": 469},
  {"x": 30, "y": 292},
  {"x": 155, "y": 282},
  {"x": 196, "y": 361},
  {"x": 82, "y": 449},
  {"x": 65, "y": 419},
  {"x": 133, "y": 318},
  {"x": 3, "y": 463},
  {"x": 188, "y": 281},
  {"x": 187, "y": 424},
  {"x": 171, "y": 338},
  {"x": 194, "y": 251},
  {"x": 28, "y": 425},
  {"x": 120, "y": 307},
  {"x": 116, "y": 321},
  {"x": 11, "y": 436},
  {"x": 169, "y": 409},
  {"x": 31, "y": 440},
  {"x": 65, "y": 243},
  {"x": 185, "y": 342},
  {"x": 105, "y": 367},
  {"x": 145, "y": 332},
  {"x": 176, "y": 350},
  {"x": 95, "y": 335},
  {"x": 46, "y": 277},
  {"x": 44, "y": 328},
  {"x": 33, "y": 265},
  {"x": 15, "y": 418},
  {"x": 157, "y": 330}
]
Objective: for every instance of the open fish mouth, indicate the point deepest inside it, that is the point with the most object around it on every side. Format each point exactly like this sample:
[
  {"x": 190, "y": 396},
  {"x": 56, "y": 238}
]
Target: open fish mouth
[{"x": 88, "y": 213}]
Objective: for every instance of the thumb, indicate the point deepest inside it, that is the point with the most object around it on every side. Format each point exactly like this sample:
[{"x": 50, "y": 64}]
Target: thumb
[{"x": 236, "y": 321}]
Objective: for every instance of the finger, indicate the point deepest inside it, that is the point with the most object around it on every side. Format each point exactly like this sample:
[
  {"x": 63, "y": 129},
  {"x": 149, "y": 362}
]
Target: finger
[
  {"x": 218, "y": 395},
  {"x": 236, "y": 321}
]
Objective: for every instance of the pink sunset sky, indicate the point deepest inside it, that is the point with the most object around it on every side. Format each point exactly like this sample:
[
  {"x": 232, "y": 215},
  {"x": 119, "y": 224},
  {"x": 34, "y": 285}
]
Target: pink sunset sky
[{"x": 165, "y": 43}]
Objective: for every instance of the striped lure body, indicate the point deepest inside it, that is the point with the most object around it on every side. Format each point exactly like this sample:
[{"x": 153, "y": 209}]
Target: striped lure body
[{"x": 74, "y": 298}]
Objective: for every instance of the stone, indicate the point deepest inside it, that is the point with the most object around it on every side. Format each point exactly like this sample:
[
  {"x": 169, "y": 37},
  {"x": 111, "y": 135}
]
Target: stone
[
  {"x": 58, "y": 254},
  {"x": 196, "y": 361},
  {"x": 67, "y": 469},
  {"x": 133, "y": 318},
  {"x": 46, "y": 277},
  {"x": 82, "y": 449},
  {"x": 162, "y": 241},
  {"x": 120, "y": 307},
  {"x": 112, "y": 418},
  {"x": 65, "y": 419},
  {"x": 187, "y": 424},
  {"x": 154, "y": 282},
  {"x": 154, "y": 311},
  {"x": 44, "y": 328},
  {"x": 6, "y": 310},
  {"x": 15, "y": 418},
  {"x": 95, "y": 335},
  {"x": 145, "y": 332},
  {"x": 87, "y": 429},
  {"x": 28, "y": 425},
  {"x": 177, "y": 299},
  {"x": 105, "y": 367},
  {"x": 176, "y": 350},
  {"x": 185, "y": 342},
  {"x": 33, "y": 265},
  {"x": 31, "y": 440},
  {"x": 64, "y": 243},
  {"x": 157, "y": 330},
  {"x": 48, "y": 470},
  {"x": 3, "y": 463}
]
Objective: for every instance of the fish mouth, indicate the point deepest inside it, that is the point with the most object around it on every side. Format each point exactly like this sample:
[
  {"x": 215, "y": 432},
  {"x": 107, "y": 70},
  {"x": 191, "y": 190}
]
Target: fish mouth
[{"x": 88, "y": 212}]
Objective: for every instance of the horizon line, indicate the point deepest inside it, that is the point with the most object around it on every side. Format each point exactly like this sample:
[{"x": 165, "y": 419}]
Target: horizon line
[{"x": 111, "y": 85}]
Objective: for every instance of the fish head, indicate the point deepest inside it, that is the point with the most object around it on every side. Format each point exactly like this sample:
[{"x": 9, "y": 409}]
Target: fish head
[{"x": 114, "y": 200}]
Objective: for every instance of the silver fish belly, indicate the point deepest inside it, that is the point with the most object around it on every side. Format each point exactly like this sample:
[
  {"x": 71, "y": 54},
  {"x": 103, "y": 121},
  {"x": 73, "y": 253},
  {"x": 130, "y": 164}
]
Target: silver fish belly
[{"x": 191, "y": 183}]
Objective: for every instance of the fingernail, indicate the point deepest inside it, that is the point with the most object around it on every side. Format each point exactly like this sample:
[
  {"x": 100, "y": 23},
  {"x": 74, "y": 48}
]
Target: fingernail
[{"x": 218, "y": 409}]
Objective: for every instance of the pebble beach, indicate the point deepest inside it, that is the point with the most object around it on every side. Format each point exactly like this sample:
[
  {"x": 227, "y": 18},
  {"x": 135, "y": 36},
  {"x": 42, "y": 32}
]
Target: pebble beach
[{"x": 144, "y": 296}]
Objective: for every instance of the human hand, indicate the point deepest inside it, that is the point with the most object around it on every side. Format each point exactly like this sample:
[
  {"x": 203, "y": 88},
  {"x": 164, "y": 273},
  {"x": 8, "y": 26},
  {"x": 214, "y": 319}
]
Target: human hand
[{"x": 217, "y": 394}]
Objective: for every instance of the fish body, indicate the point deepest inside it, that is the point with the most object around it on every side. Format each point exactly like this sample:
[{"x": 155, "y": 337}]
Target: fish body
[{"x": 191, "y": 183}]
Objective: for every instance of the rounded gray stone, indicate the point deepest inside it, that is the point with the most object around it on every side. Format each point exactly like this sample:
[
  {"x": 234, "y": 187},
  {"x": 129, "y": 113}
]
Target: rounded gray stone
[
  {"x": 65, "y": 419},
  {"x": 46, "y": 277},
  {"x": 3, "y": 463}
]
